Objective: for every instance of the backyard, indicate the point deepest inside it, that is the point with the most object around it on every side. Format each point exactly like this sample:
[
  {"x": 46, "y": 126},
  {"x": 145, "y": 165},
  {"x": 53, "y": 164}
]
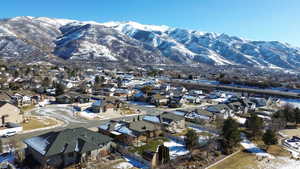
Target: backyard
[{"x": 151, "y": 145}]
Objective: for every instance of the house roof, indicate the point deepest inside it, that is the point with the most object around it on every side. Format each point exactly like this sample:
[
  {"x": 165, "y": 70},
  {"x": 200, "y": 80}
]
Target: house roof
[
  {"x": 142, "y": 126},
  {"x": 204, "y": 112},
  {"x": 218, "y": 107},
  {"x": 171, "y": 116},
  {"x": 70, "y": 140}
]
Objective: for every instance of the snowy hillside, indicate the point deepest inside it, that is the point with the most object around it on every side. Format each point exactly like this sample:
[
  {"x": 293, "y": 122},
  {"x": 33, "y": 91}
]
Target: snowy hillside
[{"x": 138, "y": 43}]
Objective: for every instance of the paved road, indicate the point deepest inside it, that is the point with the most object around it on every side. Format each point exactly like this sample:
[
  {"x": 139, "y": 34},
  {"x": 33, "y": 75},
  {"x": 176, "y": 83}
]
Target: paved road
[{"x": 65, "y": 114}]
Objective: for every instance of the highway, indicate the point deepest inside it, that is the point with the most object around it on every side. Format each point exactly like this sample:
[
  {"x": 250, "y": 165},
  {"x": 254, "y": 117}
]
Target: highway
[{"x": 268, "y": 92}]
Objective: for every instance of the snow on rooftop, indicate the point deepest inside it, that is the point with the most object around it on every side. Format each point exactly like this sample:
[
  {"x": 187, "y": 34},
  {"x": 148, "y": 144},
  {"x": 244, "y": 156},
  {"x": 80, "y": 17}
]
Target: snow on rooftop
[
  {"x": 104, "y": 126},
  {"x": 179, "y": 113},
  {"x": 152, "y": 119},
  {"x": 38, "y": 143},
  {"x": 125, "y": 130}
]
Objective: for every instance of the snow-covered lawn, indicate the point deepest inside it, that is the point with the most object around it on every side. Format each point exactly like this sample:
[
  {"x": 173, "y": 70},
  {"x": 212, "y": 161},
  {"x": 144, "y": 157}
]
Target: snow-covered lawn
[
  {"x": 136, "y": 163},
  {"x": 142, "y": 104},
  {"x": 88, "y": 115},
  {"x": 293, "y": 102},
  {"x": 279, "y": 163},
  {"x": 123, "y": 165},
  {"x": 252, "y": 148},
  {"x": 176, "y": 148}
]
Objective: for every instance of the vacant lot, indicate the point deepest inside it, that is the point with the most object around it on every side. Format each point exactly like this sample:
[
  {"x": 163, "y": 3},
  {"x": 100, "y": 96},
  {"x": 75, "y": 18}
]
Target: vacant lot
[{"x": 36, "y": 122}]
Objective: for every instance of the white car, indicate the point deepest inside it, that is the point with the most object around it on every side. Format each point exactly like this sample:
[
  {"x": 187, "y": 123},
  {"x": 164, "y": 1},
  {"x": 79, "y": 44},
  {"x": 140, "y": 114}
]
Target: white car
[{"x": 11, "y": 133}]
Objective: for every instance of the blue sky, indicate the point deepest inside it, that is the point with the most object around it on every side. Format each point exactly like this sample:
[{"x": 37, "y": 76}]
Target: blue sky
[{"x": 251, "y": 19}]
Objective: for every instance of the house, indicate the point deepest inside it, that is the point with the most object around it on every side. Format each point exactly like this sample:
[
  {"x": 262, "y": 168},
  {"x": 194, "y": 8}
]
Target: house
[
  {"x": 236, "y": 106},
  {"x": 10, "y": 113},
  {"x": 64, "y": 99},
  {"x": 220, "y": 110},
  {"x": 67, "y": 147},
  {"x": 104, "y": 106},
  {"x": 119, "y": 131},
  {"x": 130, "y": 133},
  {"x": 123, "y": 92},
  {"x": 140, "y": 97},
  {"x": 82, "y": 99},
  {"x": 260, "y": 102},
  {"x": 172, "y": 121},
  {"x": 72, "y": 97},
  {"x": 144, "y": 130},
  {"x": 200, "y": 114},
  {"x": 181, "y": 90},
  {"x": 192, "y": 99},
  {"x": 158, "y": 100},
  {"x": 176, "y": 101},
  {"x": 22, "y": 100}
]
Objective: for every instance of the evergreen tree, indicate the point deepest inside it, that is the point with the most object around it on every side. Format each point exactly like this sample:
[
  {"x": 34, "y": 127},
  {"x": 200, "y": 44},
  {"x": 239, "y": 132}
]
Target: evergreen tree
[
  {"x": 163, "y": 154},
  {"x": 269, "y": 138},
  {"x": 297, "y": 115},
  {"x": 60, "y": 89},
  {"x": 255, "y": 125},
  {"x": 97, "y": 80},
  {"x": 46, "y": 82},
  {"x": 191, "y": 139},
  {"x": 231, "y": 135}
]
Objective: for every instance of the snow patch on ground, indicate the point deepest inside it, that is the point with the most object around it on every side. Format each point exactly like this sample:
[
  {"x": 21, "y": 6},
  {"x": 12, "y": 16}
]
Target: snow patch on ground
[
  {"x": 97, "y": 50},
  {"x": 88, "y": 115},
  {"x": 280, "y": 163},
  {"x": 136, "y": 163},
  {"x": 142, "y": 104},
  {"x": 123, "y": 165},
  {"x": 252, "y": 148},
  {"x": 176, "y": 148}
]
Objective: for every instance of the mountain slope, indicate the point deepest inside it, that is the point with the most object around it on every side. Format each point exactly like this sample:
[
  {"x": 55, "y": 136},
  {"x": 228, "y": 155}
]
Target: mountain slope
[{"x": 41, "y": 37}]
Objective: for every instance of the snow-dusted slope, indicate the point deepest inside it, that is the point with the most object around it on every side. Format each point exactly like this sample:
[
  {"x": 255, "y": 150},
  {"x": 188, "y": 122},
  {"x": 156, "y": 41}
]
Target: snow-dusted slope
[
  {"x": 138, "y": 43},
  {"x": 190, "y": 46}
]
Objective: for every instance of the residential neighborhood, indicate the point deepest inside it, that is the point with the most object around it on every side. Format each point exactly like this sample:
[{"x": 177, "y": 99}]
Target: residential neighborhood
[{"x": 98, "y": 118}]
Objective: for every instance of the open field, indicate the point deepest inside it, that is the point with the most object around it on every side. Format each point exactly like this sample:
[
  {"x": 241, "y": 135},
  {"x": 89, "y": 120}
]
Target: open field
[
  {"x": 241, "y": 160},
  {"x": 291, "y": 132}
]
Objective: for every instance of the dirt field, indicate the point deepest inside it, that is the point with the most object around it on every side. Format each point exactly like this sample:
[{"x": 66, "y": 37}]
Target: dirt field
[
  {"x": 291, "y": 132},
  {"x": 38, "y": 122}
]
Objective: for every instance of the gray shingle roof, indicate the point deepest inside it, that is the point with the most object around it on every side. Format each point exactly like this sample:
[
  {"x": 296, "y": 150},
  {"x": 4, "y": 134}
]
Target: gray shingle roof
[
  {"x": 142, "y": 126},
  {"x": 70, "y": 140},
  {"x": 171, "y": 116}
]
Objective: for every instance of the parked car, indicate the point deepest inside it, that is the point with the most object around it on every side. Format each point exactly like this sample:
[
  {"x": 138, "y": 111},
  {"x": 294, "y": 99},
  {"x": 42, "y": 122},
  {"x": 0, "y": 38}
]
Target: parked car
[{"x": 10, "y": 133}]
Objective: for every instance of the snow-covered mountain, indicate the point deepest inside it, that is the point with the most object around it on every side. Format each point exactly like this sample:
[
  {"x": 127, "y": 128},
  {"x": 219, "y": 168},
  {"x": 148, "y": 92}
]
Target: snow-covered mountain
[{"x": 138, "y": 43}]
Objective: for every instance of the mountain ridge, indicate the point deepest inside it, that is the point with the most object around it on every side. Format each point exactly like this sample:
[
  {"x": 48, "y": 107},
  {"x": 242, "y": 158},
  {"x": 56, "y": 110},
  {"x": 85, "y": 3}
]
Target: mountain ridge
[{"x": 138, "y": 43}]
